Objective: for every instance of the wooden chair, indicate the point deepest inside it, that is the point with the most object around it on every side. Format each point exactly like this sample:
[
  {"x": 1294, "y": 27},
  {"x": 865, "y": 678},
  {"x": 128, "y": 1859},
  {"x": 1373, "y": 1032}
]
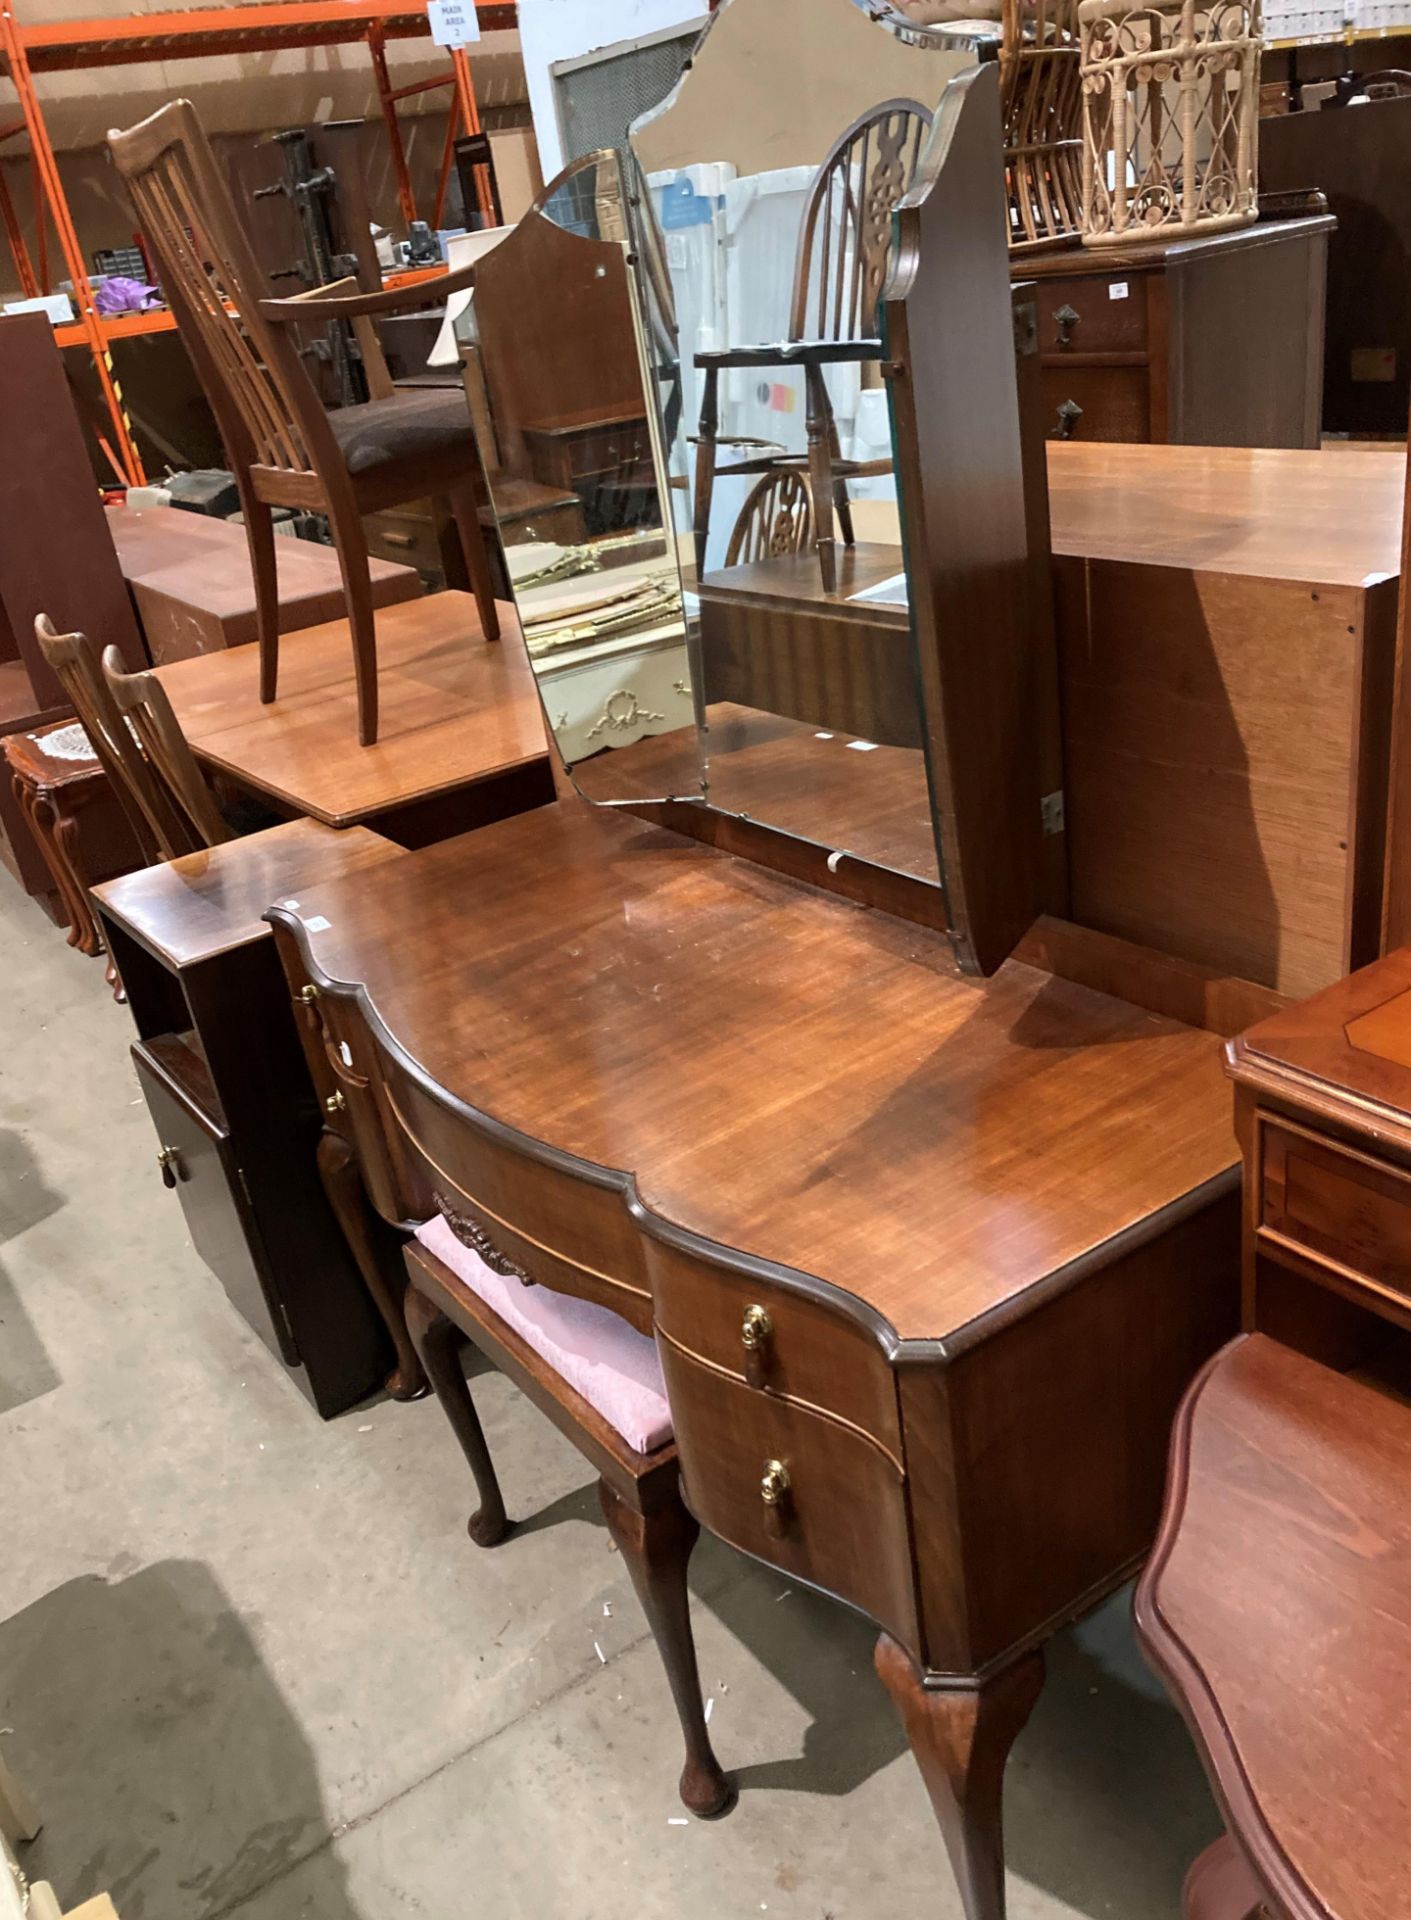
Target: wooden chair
[
  {"x": 163, "y": 829},
  {"x": 639, "y": 1493},
  {"x": 142, "y": 701},
  {"x": 776, "y": 518},
  {"x": 283, "y": 447},
  {"x": 844, "y": 253},
  {"x": 1277, "y": 1609}
]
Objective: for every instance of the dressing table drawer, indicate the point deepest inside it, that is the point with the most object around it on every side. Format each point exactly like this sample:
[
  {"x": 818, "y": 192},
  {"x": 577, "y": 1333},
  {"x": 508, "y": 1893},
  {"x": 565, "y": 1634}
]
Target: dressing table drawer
[
  {"x": 776, "y": 1342},
  {"x": 1082, "y": 315},
  {"x": 1346, "y": 1211},
  {"x": 811, "y": 1496}
]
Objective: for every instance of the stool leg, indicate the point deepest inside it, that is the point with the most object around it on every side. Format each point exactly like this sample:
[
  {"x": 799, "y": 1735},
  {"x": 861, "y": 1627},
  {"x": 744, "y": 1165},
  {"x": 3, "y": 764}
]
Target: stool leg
[
  {"x": 343, "y": 1184},
  {"x": 961, "y": 1739},
  {"x": 657, "y": 1549},
  {"x": 438, "y": 1341}
]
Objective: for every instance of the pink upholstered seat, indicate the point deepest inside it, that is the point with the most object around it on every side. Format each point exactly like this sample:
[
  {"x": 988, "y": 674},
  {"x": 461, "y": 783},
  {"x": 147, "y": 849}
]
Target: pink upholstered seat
[{"x": 614, "y": 1367}]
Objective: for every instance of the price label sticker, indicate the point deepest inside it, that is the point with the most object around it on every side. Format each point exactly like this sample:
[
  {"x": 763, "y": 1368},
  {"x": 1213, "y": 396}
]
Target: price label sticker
[
  {"x": 1118, "y": 290},
  {"x": 453, "y": 22}
]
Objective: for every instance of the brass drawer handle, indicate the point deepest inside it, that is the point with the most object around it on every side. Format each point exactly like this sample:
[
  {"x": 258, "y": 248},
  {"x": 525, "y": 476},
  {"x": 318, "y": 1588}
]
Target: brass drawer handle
[
  {"x": 1066, "y": 318},
  {"x": 169, "y": 1160},
  {"x": 335, "y": 1103},
  {"x": 756, "y": 1332},
  {"x": 308, "y": 994},
  {"x": 403, "y": 540},
  {"x": 774, "y": 1490}
]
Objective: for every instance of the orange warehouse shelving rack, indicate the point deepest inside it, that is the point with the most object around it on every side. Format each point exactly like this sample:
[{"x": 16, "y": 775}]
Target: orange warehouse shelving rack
[{"x": 266, "y": 26}]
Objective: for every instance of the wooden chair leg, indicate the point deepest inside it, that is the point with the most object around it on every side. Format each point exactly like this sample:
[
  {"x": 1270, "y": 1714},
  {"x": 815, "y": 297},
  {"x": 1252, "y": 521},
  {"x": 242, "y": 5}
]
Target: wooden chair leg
[
  {"x": 351, "y": 542},
  {"x": 260, "y": 537},
  {"x": 343, "y": 1184},
  {"x": 438, "y": 1341},
  {"x": 705, "y": 465},
  {"x": 657, "y": 1550},
  {"x": 820, "y": 473},
  {"x": 841, "y": 500},
  {"x": 465, "y": 507},
  {"x": 961, "y": 1739}
]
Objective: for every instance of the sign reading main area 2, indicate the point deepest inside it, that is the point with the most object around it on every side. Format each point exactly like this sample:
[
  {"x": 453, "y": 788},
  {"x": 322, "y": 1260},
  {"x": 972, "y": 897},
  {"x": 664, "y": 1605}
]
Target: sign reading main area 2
[{"x": 453, "y": 22}]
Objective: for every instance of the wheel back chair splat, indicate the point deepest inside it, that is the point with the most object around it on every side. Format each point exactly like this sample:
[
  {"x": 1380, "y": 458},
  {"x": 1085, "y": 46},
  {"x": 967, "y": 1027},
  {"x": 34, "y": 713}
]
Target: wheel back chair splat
[
  {"x": 284, "y": 448},
  {"x": 845, "y": 247}
]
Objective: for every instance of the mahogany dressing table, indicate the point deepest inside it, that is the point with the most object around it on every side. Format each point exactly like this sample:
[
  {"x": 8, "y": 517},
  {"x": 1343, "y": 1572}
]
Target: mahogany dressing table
[{"x": 931, "y": 1237}]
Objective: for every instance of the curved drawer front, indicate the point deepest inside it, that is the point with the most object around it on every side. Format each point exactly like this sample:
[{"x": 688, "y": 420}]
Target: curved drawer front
[
  {"x": 778, "y": 1340},
  {"x": 559, "y": 1230},
  {"x": 839, "y": 1520}
]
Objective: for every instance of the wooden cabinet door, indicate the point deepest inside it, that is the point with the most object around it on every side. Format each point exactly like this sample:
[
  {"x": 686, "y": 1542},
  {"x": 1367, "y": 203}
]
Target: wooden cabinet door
[{"x": 966, "y": 528}]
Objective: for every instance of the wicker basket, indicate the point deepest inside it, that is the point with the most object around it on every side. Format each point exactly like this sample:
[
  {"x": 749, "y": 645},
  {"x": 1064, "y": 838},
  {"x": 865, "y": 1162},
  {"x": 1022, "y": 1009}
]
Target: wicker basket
[
  {"x": 1170, "y": 118},
  {"x": 1041, "y": 100}
]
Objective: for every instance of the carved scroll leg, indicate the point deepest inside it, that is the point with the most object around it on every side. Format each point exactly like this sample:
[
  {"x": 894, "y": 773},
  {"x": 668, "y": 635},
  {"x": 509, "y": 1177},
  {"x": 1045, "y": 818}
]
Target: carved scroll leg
[
  {"x": 657, "y": 1550},
  {"x": 820, "y": 473},
  {"x": 343, "y": 1184},
  {"x": 84, "y": 933},
  {"x": 961, "y": 1739},
  {"x": 39, "y": 818},
  {"x": 439, "y": 1341},
  {"x": 705, "y": 464}
]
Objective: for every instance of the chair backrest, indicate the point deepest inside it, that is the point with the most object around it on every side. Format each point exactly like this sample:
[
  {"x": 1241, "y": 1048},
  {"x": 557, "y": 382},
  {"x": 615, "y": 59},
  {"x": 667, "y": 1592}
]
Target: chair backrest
[
  {"x": 161, "y": 832},
  {"x": 141, "y": 700},
  {"x": 264, "y": 402},
  {"x": 845, "y": 241},
  {"x": 776, "y": 519}
]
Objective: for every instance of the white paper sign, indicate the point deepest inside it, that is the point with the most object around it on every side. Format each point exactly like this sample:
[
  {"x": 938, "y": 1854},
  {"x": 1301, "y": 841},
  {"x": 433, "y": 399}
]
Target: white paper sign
[
  {"x": 453, "y": 22},
  {"x": 1118, "y": 290}
]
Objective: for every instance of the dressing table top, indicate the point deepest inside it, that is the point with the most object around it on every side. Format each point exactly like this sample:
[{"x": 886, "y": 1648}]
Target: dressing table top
[{"x": 781, "y": 1072}]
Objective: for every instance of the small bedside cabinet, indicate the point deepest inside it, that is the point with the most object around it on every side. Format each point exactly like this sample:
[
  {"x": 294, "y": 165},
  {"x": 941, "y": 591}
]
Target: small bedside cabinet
[{"x": 238, "y": 1120}]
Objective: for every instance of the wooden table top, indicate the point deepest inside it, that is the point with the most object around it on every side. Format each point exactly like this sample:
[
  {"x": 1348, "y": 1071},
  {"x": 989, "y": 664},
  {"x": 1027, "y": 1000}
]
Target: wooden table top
[
  {"x": 1278, "y": 1600},
  {"x": 207, "y": 903},
  {"x": 1289, "y": 514},
  {"x": 194, "y": 558},
  {"x": 455, "y": 710},
  {"x": 781, "y": 1072}
]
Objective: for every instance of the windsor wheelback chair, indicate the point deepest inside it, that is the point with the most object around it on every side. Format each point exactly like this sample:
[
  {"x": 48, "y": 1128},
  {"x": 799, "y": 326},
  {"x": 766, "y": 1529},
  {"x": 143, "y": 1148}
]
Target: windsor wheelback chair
[
  {"x": 284, "y": 448},
  {"x": 844, "y": 252}
]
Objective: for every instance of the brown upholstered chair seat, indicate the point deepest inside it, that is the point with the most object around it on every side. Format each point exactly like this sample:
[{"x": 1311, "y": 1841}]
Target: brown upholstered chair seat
[{"x": 414, "y": 425}]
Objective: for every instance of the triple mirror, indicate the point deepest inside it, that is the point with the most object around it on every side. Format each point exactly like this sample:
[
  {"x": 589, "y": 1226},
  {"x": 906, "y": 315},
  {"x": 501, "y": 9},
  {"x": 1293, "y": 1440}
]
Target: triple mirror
[{"x": 690, "y": 439}]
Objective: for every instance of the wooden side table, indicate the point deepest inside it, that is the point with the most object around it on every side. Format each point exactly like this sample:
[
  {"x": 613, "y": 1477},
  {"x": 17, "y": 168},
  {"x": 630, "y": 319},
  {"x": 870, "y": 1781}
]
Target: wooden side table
[{"x": 77, "y": 822}]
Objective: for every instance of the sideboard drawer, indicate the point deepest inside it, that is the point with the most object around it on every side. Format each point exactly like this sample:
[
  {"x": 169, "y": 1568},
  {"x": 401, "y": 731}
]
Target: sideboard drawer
[
  {"x": 1115, "y": 401},
  {"x": 1344, "y": 1210},
  {"x": 840, "y": 1518},
  {"x": 1102, "y": 324},
  {"x": 787, "y": 1344}
]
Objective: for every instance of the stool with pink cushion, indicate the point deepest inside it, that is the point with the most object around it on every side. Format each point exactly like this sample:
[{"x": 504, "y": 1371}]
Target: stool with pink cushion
[{"x": 600, "y": 1382}]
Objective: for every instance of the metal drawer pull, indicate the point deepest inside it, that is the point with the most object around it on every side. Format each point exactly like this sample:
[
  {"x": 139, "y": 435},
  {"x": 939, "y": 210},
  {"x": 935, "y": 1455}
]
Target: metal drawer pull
[
  {"x": 774, "y": 1490},
  {"x": 308, "y": 994},
  {"x": 1069, "y": 414},
  {"x": 1066, "y": 318},
  {"x": 756, "y": 1332},
  {"x": 335, "y": 1103},
  {"x": 169, "y": 1160}
]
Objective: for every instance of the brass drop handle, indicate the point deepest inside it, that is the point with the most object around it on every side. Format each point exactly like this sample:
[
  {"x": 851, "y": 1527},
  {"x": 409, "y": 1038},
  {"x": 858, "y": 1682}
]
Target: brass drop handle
[
  {"x": 756, "y": 1332},
  {"x": 308, "y": 998},
  {"x": 774, "y": 1490},
  {"x": 335, "y": 1103},
  {"x": 1069, "y": 414},
  {"x": 169, "y": 1160},
  {"x": 1066, "y": 318}
]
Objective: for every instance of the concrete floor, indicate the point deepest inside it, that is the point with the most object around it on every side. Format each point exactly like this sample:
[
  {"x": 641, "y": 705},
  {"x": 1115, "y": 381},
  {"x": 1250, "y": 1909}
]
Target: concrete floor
[{"x": 250, "y": 1664}]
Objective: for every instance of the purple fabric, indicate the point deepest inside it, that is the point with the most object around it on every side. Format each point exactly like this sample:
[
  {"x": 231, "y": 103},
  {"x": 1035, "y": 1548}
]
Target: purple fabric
[
  {"x": 120, "y": 295},
  {"x": 614, "y": 1367}
]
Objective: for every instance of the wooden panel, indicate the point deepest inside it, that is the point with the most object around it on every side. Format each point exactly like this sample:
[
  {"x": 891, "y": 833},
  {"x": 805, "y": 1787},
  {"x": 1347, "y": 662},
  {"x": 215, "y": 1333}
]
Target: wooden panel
[
  {"x": 960, "y": 476},
  {"x": 814, "y": 1352},
  {"x": 1105, "y": 324},
  {"x": 1116, "y": 401},
  {"x": 1351, "y": 1212},
  {"x": 842, "y": 1524},
  {"x": 207, "y": 1179},
  {"x": 55, "y": 554},
  {"x": 1396, "y": 905},
  {"x": 1211, "y": 728}
]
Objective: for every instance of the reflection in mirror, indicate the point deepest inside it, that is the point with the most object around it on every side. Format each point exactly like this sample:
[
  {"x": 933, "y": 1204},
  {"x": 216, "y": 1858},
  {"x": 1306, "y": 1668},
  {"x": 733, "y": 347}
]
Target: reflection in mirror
[
  {"x": 558, "y": 349},
  {"x": 775, "y": 206}
]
